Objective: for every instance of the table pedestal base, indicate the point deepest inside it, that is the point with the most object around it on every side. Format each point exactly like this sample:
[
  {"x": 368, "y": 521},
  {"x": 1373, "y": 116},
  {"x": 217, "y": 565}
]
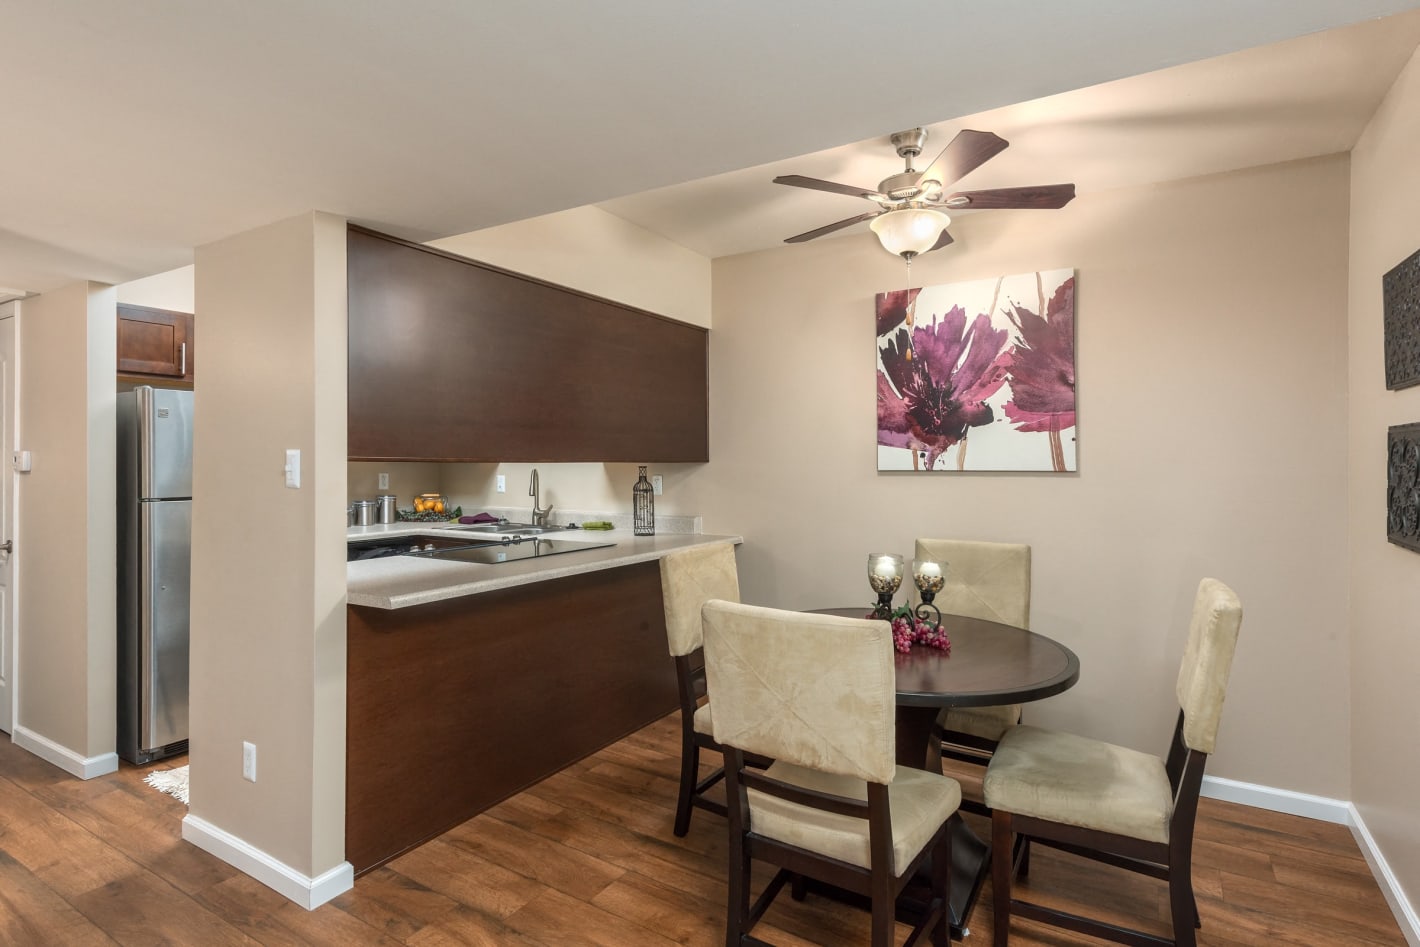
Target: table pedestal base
[
  {"x": 970, "y": 866},
  {"x": 918, "y": 747}
]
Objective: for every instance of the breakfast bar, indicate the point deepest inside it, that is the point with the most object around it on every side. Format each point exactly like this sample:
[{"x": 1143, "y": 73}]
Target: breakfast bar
[{"x": 468, "y": 682}]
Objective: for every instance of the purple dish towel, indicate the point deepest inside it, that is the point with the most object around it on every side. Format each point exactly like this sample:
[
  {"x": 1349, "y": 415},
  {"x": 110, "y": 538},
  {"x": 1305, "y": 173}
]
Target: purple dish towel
[{"x": 480, "y": 518}]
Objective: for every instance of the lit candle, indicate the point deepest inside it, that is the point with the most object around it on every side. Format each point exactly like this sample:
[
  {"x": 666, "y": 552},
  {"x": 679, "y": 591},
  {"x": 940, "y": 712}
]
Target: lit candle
[
  {"x": 885, "y": 567},
  {"x": 929, "y": 570}
]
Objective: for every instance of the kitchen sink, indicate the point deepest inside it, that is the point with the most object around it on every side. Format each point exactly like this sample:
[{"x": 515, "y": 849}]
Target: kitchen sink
[
  {"x": 494, "y": 553},
  {"x": 508, "y": 529}
]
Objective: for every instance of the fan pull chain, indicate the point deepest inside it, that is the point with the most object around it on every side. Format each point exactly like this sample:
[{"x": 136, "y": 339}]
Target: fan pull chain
[{"x": 911, "y": 310}]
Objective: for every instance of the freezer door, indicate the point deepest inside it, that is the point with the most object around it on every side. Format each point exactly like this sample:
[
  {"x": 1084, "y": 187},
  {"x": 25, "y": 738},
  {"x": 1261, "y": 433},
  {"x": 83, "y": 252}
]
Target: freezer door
[
  {"x": 163, "y": 652},
  {"x": 165, "y": 442}
]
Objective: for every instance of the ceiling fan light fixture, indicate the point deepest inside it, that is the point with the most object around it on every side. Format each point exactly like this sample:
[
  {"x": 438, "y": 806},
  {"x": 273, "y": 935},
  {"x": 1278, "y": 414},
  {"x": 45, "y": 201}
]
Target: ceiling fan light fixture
[{"x": 910, "y": 231}]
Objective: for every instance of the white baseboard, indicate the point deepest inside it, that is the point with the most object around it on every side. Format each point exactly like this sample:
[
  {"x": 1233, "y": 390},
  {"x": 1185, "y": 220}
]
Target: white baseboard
[
  {"x": 84, "y": 767},
  {"x": 1400, "y": 906},
  {"x": 310, "y": 893},
  {"x": 1321, "y": 808},
  {"x": 1325, "y": 810}
]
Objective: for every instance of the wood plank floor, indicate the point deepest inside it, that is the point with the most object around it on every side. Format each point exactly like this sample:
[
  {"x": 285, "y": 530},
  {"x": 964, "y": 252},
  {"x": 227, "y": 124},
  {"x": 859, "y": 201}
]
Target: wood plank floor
[{"x": 587, "y": 858}]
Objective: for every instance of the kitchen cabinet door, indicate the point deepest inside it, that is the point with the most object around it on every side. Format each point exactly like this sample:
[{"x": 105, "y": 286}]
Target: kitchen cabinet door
[
  {"x": 155, "y": 342},
  {"x": 456, "y": 360}
]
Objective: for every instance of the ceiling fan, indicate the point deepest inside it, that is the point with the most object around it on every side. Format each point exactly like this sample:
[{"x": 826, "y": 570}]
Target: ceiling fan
[{"x": 911, "y": 214}]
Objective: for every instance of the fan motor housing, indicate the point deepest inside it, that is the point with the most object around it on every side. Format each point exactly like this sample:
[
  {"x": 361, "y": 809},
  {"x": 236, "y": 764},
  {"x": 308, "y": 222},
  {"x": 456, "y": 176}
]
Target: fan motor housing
[{"x": 901, "y": 187}]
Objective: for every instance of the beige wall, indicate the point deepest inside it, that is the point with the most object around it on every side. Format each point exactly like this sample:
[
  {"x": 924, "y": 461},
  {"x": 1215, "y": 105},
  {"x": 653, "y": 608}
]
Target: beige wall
[
  {"x": 1210, "y": 319},
  {"x": 598, "y": 253},
  {"x": 268, "y": 571},
  {"x": 1384, "y": 579},
  {"x": 171, "y": 290},
  {"x": 66, "y": 627},
  {"x": 1212, "y": 387}
]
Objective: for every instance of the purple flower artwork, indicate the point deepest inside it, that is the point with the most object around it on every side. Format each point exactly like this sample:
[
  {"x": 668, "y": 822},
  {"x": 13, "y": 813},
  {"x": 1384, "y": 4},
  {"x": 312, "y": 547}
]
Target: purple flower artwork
[{"x": 978, "y": 375}]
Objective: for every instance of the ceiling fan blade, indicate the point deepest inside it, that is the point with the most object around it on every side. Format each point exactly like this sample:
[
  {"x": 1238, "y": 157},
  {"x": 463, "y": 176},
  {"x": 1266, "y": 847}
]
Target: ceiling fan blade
[
  {"x": 1040, "y": 197},
  {"x": 798, "y": 180},
  {"x": 965, "y": 153},
  {"x": 830, "y": 228},
  {"x": 942, "y": 241}
]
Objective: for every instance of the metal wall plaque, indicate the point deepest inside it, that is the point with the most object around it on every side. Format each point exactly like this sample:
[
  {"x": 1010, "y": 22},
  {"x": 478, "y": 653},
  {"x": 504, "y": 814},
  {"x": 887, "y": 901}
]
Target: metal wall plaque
[
  {"x": 1402, "y": 494},
  {"x": 1401, "y": 289}
]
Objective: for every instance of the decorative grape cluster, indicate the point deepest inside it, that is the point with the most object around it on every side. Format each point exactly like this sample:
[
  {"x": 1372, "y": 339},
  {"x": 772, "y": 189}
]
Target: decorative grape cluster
[{"x": 907, "y": 631}]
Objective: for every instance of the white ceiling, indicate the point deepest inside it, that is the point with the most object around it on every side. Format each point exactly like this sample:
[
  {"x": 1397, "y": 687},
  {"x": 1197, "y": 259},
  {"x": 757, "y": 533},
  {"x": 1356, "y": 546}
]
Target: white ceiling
[
  {"x": 131, "y": 133},
  {"x": 1298, "y": 98}
]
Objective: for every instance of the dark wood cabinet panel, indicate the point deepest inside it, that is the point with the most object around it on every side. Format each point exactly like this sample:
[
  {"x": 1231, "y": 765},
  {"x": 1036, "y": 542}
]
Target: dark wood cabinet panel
[
  {"x": 155, "y": 342},
  {"x": 457, "y": 705},
  {"x": 456, "y": 360}
]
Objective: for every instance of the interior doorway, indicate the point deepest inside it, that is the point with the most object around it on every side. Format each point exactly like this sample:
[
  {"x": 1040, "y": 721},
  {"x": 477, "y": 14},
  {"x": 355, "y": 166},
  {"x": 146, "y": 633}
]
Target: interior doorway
[{"x": 9, "y": 317}]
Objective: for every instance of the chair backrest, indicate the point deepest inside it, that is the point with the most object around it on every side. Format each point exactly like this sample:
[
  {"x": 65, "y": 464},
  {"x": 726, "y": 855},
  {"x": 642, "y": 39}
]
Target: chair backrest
[
  {"x": 1207, "y": 661},
  {"x": 689, "y": 579},
  {"x": 813, "y": 690},
  {"x": 984, "y": 580}
]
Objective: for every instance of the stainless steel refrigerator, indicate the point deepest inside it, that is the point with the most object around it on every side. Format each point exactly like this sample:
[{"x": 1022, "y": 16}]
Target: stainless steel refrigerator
[{"x": 154, "y": 546}]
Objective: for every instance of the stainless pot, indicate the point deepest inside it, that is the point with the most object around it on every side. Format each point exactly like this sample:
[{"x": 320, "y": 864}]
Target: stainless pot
[
  {"x": 386, "y": 512},
  {"x": 365, "y": 512}
]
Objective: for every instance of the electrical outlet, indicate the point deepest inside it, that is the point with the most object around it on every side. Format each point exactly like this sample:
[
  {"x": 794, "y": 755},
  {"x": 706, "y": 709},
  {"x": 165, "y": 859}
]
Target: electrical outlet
[
  {"x": 249, "y": 761},
  {"x": 384, "y": 481},
  {"x": 293, "y": 469},
  {"x": 656, "y": 484},
  {"x": 500, "y": 483}
]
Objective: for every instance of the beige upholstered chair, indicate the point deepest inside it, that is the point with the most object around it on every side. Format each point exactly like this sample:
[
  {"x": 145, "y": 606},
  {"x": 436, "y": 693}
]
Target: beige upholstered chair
[
  {"x": 817, "y": 694},
  {"x": 1117, "y": 805},
  {"x": 689, "y": 578},
  {"x": 990, "y": 581}
]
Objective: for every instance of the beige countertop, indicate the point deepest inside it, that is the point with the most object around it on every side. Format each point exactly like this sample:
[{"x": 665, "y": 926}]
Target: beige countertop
[{"x": 402, "y": 581}]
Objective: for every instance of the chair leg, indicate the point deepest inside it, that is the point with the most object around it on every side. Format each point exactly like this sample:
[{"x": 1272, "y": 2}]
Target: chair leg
[
  {"x": 884, "y": 911},
  {"x": 689, "y": 770},
  {"x": 1183, "y": 908},
  {"x": 1001, "y": 870},
  {"x": 942, "y": 885},
  {"x": 1023, "y": 863},
  {"x": 799, "y": 888},
  {"x": 737, "y": 918}
]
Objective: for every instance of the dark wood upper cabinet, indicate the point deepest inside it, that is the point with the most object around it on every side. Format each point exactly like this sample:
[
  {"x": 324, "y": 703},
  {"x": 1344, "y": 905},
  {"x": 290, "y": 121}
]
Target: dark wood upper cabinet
[
  {"x": 456, "y": 360},
  {"x": 155, "y": 342}
]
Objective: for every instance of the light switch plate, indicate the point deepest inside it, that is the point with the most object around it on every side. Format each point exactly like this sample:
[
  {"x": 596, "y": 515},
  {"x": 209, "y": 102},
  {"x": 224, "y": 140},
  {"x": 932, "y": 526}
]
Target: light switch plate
[
  {"x": 293, "y": 469},
  {"x": 22, "y": 461},
  {"x": 656, "y": 485}
]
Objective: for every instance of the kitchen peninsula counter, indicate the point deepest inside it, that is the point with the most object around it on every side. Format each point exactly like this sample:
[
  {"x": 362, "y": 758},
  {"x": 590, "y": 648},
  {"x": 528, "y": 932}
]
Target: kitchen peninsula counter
[
  {"x": 403, "y": 581},
  {"x": 469, "y": 682}
]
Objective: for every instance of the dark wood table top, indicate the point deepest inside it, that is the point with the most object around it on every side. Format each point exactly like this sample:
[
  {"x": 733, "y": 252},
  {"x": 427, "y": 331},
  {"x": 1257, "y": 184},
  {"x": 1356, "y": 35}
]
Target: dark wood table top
[{"x": 989, "y": 663}]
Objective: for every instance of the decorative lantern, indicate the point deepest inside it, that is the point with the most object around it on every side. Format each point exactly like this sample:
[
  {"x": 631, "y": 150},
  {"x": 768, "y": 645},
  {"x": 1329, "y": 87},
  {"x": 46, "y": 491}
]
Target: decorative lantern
[{"x": 643, "y": 505}]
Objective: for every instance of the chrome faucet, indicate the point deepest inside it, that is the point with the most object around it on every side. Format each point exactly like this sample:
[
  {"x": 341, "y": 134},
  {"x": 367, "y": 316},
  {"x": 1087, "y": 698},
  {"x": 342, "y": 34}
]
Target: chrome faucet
[{"x": 539, "y": 514}]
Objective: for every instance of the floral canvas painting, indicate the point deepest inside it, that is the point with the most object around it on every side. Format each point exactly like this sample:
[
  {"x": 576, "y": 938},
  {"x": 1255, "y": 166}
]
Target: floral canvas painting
[{"x": 978, "y": 375}]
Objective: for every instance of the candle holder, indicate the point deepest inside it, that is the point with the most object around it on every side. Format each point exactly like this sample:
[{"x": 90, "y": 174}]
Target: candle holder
[
  {"x": 930, "y": 577},
  {"x": 885, "y": 577}
]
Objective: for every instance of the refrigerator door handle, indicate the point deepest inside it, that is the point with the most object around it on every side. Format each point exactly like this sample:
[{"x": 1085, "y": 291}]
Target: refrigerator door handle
[{"x": 145, "y": 623}]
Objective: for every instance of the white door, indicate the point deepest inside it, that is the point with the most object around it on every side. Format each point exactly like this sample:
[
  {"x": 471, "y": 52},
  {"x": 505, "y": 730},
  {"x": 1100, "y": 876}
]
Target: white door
[{"x": 8, "y": 445}]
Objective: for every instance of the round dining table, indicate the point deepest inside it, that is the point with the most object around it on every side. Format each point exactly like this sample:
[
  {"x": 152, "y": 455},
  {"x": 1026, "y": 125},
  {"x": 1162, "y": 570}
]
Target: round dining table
[{"x": 988, "y": 664}]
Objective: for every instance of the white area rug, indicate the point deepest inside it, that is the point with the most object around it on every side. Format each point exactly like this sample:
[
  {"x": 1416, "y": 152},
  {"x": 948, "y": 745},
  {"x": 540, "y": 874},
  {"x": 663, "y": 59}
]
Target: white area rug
[{"x": 171, "y": 781}]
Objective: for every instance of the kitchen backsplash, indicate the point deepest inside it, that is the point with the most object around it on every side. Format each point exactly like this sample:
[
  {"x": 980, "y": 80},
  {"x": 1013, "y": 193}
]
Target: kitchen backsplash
[{"x": 578, "y": 492}]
